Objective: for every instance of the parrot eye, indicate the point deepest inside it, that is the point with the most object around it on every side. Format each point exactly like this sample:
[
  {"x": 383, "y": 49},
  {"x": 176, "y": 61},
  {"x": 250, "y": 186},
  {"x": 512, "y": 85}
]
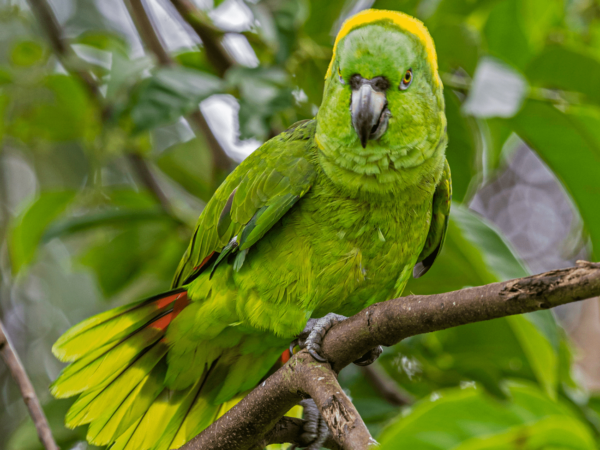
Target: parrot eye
[
  {"x": 340, "y": 76},
  {"x": 406, "y": 80}
]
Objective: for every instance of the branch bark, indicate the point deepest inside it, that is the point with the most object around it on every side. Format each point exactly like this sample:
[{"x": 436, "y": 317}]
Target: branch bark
[
  {"x": 253, "y": 419},
  {"x": 18, "y": 373}
]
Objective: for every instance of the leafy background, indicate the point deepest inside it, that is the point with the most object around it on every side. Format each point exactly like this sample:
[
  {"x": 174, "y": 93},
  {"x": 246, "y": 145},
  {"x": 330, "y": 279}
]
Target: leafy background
[{"x": 109, "y": 152}]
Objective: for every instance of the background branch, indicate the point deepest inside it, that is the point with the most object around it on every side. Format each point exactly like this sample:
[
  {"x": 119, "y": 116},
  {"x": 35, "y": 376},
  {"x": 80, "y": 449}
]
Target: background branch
[
  {"x": 152, "y": 40},
  {"x": 385, "y": 323},
  {"x": 385, "y": 386},
  {"x": 216, "y": 54},
  {"x": 18, "y": 373}
]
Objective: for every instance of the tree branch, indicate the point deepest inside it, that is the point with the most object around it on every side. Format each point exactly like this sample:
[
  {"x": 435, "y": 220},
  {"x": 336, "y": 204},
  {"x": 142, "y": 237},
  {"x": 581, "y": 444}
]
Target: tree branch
[
  {"x": 385, "y": 386},
  {"x": 47, "y": 19},
  {"x": 27, "y": 392},
  {"x": 216, "y": 54},
  {"x": 152, "y": 40},
  {"x": 288, "y": 431},
  {"x": 252, "y": 420}
]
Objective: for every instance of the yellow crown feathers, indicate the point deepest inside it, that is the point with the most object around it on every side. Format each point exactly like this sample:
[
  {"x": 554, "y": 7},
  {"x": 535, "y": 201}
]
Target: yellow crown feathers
[{"x": 402, "y": 21}]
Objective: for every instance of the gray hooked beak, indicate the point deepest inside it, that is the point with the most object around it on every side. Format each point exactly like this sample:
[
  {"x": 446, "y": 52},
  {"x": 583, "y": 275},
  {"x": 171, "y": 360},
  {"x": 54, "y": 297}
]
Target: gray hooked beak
[{"x": 369, "y": 110}]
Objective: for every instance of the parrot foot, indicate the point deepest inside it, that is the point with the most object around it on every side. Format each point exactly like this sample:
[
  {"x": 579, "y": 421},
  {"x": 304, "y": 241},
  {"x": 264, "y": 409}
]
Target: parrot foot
[
  {"x": 312, "y": 336},
  {"x": 315, "y": 429},
  {"x": 314, "y": 332},
  {"x": 370, "y": 357}
]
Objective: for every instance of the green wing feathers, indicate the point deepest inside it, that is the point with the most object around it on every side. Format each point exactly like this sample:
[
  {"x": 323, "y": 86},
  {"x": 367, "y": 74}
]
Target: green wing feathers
[
  {"x": 256, "y": 195},
  {"x": 440, "y": 214},
  {"x": 144, "y": 383}
]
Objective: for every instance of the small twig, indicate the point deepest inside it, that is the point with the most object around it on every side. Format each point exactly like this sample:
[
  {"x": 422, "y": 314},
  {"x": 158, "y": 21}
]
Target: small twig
[
  {"x": 18, "y": 373},
  {"x": 152, "y": 40},
  {"x": 141, "y": 168},
  {"x": 463, "y": 84},
  {"x": 47, "y": 19},
  {"x": 145, "y": 28},
  {"x": 385, "y": 386},
  {"x": 216, "y": 54}
]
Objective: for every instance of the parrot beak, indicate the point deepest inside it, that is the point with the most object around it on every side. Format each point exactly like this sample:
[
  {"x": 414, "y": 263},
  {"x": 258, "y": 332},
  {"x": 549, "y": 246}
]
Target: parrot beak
[{"x": 369, "y": 111}]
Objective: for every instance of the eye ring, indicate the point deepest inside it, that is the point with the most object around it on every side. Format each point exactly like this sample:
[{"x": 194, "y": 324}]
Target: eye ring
[
  {"x": 406, "y": 80},
  {"x": 340, "y": 77}
]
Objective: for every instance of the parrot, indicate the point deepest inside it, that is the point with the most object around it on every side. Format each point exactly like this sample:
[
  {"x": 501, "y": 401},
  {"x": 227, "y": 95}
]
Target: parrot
[{"x": 332, "y": 215}]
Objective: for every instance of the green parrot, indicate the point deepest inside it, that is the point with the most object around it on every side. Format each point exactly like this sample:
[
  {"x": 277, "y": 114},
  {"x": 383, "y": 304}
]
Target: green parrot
[{"x": 331, "y": 216}]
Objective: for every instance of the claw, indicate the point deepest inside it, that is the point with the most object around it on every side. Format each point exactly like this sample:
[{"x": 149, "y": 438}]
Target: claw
[
  {"x": 316, "y": 331},
  {"x": 370, "y": 357},
  {"x": 315, "y": 355}
]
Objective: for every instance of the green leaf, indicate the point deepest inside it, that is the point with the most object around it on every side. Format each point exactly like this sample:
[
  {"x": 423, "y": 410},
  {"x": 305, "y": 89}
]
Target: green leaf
[
  {"x": 570, "y": 144},
  {"x": 542, "y": 356},
  {"x": 470, "y": 419},
  {"x": 170, "y": 93},
  {"x": 67, "y": 115},
  {"x": 27, "y": 53},
  {"x": 583, "y": 74},
  {"x": 107, "y": 218},
  {"x": 457, "y": 46},
  {"x": 508, "y": 43},
  {"x": 190, "y": 164},
  {"x": 27, "y": 231},
  {"x": 463, "y": 152}
]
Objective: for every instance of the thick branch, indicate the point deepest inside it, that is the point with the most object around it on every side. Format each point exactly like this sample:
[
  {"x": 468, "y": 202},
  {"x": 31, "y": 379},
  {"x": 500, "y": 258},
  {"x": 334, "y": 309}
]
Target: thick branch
[
  {"x": 220, "y": 59},
  {"x": 301, "y": 378},
  {"x": 27, "y": 392},
  {"x": 289, "y": 430},
  {"x": 387, "y": 323}
]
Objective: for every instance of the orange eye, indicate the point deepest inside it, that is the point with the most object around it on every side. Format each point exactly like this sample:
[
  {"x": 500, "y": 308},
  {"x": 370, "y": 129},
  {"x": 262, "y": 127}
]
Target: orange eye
[{"x": 406, "y": 80}]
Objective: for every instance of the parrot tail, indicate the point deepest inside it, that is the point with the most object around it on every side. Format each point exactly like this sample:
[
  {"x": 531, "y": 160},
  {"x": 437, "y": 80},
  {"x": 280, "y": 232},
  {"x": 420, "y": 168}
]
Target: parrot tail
[{"x": 118, "y": 367}]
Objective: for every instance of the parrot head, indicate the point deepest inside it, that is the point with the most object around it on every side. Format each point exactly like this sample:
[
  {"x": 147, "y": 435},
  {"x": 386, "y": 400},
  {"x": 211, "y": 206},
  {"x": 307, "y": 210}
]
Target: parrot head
[{"x": 383, "y": 104}]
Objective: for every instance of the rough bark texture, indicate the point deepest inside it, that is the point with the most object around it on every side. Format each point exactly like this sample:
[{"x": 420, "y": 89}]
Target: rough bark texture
[
  {"x": 18, "y": 373},
  {"x": 252, "y": 421}
]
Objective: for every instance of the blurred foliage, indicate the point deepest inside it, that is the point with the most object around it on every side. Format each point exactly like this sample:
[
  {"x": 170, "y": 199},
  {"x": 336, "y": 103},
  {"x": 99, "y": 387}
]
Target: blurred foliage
[{"x": 84, "y": 230}]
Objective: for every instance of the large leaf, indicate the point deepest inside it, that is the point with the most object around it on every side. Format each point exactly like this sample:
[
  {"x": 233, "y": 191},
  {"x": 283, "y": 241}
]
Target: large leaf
[
  {"x": 29, "y": 227},
  {"x": 570, "y": 144},
  {"x": 63, "y": 113},
  {"x": 508, "y": 43},
  {"x": 470, "y": 419},
  {"x": 583, "y": 74},
  {"x": 457, "y": 46},
  {"x": 463, "y": 152},
  {"x": 190, "y": 164}
]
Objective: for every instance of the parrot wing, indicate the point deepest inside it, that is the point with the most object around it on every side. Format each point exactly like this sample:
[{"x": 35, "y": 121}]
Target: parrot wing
[
  {"x": 252, "y": 199},
  {"x": 440, "y": 214}
]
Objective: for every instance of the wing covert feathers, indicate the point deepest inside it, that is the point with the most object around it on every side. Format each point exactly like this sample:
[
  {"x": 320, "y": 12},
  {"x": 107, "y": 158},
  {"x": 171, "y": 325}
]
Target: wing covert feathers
[{"x": 440, "y": 213}]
